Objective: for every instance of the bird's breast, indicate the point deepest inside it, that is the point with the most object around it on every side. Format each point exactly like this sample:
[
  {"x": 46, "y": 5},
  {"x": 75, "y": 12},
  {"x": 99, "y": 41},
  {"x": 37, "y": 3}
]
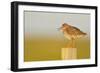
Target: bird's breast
[{"x": 67, "y": 35}]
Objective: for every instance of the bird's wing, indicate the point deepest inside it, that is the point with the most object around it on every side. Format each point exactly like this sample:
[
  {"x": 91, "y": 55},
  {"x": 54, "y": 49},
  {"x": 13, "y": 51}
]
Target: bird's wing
[{"x": 74, "y": 31}]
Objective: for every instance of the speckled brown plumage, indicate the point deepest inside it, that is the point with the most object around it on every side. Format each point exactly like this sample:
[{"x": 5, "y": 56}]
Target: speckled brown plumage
[{"x": 71, "y": 32}]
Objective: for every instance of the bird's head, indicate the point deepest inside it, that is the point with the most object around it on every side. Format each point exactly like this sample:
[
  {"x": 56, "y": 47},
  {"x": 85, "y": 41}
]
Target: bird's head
[{"x": 64, "y": 26}]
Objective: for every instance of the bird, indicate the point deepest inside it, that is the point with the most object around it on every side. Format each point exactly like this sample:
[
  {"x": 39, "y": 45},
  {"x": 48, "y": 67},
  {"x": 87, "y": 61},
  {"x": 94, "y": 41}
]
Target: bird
[{"x": 71, "y": 33}]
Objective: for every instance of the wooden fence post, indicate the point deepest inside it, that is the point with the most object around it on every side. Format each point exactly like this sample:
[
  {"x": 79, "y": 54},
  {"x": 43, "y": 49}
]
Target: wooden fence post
[{"x": 68, "y": 53}]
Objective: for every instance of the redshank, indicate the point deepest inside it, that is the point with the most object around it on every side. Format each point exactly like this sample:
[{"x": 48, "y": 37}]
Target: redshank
[{"x": 71, "y": 33}]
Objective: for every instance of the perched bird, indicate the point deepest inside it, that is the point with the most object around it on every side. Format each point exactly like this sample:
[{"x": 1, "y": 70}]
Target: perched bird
[{"x": 71, "y": 33}]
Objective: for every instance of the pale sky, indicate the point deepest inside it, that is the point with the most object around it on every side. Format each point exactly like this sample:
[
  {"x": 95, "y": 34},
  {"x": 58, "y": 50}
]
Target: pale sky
[{"x": 46, "y": 23}]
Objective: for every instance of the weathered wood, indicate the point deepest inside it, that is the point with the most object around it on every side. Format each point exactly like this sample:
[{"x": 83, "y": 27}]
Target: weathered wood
[{"x": 68, "y": 53}]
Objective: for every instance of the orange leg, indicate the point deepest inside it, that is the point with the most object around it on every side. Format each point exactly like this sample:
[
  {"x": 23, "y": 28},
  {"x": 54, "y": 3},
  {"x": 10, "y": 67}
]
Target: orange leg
[{"x": 71, "y": 43}]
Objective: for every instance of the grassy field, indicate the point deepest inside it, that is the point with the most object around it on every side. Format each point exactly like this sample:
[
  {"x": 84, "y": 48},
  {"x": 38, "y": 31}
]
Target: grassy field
[{"x": 43, "y": 49}]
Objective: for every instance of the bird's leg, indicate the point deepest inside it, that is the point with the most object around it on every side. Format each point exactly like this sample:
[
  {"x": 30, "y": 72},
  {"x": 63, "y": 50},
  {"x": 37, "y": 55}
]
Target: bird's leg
[
  {"x": 73, "y": 43},
  {"x": 69, "y": 44}
]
